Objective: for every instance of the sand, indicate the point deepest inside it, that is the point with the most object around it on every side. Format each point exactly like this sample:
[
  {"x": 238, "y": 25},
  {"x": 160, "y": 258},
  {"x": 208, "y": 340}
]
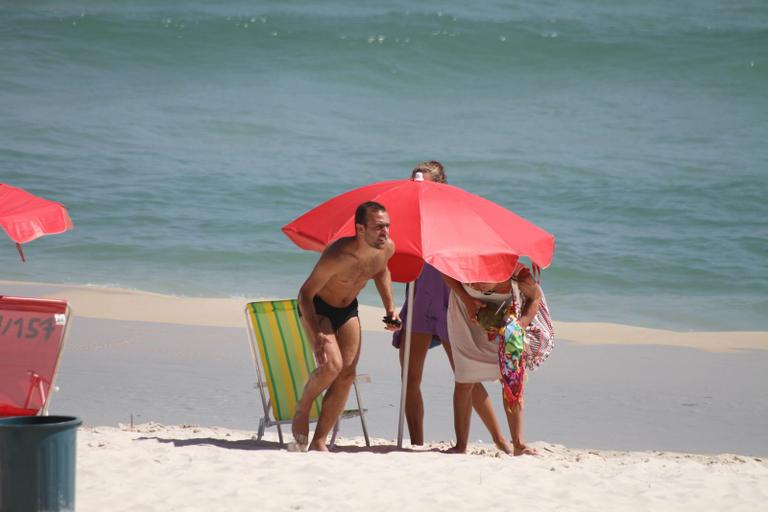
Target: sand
[
  {"x": 624, "y": 417},
  {"x": 192, "y": 468}
]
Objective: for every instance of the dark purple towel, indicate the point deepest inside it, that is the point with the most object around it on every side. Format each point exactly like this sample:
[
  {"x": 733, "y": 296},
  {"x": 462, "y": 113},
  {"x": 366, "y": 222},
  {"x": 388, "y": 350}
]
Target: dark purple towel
[{"x": 430, "y": 299}]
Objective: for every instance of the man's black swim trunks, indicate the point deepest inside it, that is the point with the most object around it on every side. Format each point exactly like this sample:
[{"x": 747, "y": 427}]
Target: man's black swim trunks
[{"x": 337, "y": 316}]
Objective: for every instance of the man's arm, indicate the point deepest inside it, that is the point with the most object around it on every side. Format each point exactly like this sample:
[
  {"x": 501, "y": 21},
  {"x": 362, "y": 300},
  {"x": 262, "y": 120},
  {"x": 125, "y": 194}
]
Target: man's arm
[
  {"x": 383, "y": 282},
  {"x": 326, "y": 267}
]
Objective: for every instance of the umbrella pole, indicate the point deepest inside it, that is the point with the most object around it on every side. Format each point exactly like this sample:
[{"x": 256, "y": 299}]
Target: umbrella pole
[
  {"x": 21, "y": 253},
  {"x": 406, "y": 361}
]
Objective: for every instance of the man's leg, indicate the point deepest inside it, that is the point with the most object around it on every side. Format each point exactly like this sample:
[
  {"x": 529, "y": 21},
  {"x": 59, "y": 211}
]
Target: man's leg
[
  {"x": 414, "y": 404},
  {"x": 348, "y": 338},
  {"x": 481, "y": 402},
  {"x": 318, "y": 381}
]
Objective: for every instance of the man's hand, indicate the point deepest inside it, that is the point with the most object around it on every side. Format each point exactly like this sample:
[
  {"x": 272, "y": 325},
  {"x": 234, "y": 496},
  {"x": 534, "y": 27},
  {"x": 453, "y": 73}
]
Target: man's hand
[
  {"x": 321, "y": 342},
  {"x": 473, "y": 306},
  {"x": 392, "y": 321}
]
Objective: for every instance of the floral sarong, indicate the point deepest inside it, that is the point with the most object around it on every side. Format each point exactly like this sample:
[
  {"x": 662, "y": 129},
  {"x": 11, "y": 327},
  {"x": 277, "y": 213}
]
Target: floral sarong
[{"x": 512, "y": 361}]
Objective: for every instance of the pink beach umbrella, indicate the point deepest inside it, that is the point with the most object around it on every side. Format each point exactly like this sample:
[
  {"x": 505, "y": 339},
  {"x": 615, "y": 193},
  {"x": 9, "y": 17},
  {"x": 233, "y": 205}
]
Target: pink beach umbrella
[
  {"x": 463, "y": 235},
  {"x": 25, "y": 217}
]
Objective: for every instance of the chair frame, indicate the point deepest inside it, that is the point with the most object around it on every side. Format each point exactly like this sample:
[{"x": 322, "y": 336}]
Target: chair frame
[
  {"x": 267, "y": 421},
  {"x": 36, "y": 381}
]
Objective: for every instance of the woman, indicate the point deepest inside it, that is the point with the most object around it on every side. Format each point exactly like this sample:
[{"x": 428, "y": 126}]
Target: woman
[
  {"x": 476, "y": 354},
  {"x": 430, "y": 328}
]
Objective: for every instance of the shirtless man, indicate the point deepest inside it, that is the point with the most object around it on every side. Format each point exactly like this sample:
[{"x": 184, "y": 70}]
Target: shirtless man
[{"x": 328, "y": 305}]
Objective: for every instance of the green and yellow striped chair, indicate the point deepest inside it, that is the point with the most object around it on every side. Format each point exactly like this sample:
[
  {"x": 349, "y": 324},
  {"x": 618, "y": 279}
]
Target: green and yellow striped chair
[{"x": 284, "y": 359}]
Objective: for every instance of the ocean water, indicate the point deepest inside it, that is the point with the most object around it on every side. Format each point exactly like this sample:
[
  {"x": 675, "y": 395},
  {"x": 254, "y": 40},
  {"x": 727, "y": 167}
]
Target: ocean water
[{"x": 182, "y": 135}]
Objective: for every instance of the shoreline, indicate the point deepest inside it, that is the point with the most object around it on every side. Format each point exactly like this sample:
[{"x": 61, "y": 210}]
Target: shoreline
[{"x": 97, "y": 302}]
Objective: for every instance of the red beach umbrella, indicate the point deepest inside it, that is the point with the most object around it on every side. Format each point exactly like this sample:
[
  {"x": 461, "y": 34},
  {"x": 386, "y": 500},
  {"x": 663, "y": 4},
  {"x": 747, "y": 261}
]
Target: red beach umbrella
[
  {"x": 461, "y": 234},
  {"x": 25, "y": 217}
]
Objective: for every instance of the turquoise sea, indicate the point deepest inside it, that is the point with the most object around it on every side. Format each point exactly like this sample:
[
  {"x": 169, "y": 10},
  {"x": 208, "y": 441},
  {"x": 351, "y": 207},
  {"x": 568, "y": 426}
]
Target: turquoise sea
[{"x": 183, "y": 135}]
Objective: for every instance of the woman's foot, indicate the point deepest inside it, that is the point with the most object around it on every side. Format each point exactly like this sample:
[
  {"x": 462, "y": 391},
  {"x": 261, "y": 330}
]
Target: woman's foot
[
  {"x": 456, "y": 449},
  {"x": 524, "y": 449},
  {"x": 503, "y": 446}
]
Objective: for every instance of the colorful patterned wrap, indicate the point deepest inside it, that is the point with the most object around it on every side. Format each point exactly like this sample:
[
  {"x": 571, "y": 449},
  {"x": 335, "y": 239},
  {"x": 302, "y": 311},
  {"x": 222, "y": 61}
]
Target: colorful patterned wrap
[
  {"x": 512, "y": 361},
  {"x": 522, "y": 349}
]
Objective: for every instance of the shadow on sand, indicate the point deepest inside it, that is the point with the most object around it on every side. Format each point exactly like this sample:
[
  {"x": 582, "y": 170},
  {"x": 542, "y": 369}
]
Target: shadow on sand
[
  {"x": 239, "y": 444},
  {"x": 254, "y": 444}
]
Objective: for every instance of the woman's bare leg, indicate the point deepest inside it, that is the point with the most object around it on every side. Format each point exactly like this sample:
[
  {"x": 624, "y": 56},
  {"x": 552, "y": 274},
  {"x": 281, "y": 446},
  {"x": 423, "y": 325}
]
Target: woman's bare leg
[
  {"x": 481, "y": 402},
  {"x": 414, "y": 403},
  {"x": 515, "y": 420},
  {"x": 462, "y": 413}
]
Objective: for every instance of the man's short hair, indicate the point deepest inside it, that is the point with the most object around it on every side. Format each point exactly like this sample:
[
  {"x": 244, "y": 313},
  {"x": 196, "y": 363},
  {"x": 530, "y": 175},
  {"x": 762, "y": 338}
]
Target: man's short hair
[{"x": 361, "y": 214}]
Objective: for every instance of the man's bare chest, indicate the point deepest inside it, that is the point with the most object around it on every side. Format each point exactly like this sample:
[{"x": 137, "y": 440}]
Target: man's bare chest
[{"x": 362, "y": 271}]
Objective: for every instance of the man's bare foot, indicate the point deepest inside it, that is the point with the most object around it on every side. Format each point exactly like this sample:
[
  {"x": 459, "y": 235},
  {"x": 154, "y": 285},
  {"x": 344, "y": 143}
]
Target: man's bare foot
[
  {"x": 300, "y": 430},
  {"x": 318, "y": 446},
  {"x": 456, "y": 449},
  {"x": 523, "y": 449}
]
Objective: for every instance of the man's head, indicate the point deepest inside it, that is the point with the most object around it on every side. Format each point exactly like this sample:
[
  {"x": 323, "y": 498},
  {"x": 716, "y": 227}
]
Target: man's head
[
  {"x": 432, "y": 171},
  {"x": 372, "y": 224}
]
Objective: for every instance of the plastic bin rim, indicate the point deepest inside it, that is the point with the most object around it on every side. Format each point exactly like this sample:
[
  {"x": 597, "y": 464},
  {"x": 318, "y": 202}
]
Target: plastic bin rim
[{"x": 40, "y": 422}]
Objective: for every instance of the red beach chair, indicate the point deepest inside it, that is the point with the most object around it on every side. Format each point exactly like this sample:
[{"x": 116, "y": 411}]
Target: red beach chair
[{"x": 32, "y": 335}]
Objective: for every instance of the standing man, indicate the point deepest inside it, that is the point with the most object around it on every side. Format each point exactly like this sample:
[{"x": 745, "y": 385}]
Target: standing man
[{"x": 328, "y": 306}]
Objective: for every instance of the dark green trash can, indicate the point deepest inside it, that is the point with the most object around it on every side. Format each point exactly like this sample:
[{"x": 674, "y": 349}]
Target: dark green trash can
[{"x": 37, "y": 463}]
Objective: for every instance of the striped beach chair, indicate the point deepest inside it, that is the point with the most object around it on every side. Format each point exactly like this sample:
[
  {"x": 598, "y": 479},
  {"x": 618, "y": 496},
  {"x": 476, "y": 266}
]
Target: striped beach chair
[{"x": 284, "y": 359}]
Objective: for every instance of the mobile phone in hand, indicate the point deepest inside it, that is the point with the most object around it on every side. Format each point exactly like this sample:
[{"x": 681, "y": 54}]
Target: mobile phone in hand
[{"x": 391, "y": 321}]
